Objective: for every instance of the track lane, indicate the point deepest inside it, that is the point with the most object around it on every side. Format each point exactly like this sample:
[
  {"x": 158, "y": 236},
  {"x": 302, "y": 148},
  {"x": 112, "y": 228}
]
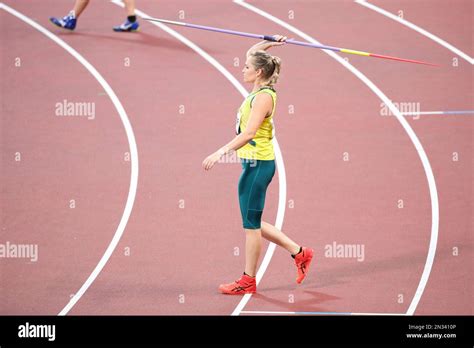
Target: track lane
[
  {"x": 427, "y": 88},
  {"x": 448, "y": 88},
  {"x": 62, "y": 159},
  {"x": 281, "y": 303},
  {"x": 451, "y": 21}
]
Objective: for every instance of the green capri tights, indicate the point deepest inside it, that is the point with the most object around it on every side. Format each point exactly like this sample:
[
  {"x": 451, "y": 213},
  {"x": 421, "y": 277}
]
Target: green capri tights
[{"x": 253, "y": 183}]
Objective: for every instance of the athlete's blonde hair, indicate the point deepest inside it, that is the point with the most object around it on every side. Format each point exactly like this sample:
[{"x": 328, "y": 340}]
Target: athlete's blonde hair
[{"x": 269, "y": 64}]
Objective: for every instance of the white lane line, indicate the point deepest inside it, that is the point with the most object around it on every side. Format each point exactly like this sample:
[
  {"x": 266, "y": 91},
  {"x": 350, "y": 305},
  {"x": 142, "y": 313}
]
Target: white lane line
[
  {"x": 131, "y": 141},
  {"x": 418, "y": 29},
  {"x": 319, "y": 313},
  {"x": 406, "y": 126},
  {"x": 278, "y": 155}
]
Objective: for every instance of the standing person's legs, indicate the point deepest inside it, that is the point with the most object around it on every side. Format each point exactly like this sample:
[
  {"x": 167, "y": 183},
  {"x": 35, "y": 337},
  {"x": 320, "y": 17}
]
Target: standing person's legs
[
  {"x": 253, "y": 184},
  {"x": 131, "y": 24},
  {"x": 80, "y": 6},
  {"x": 70, "y": 20},
  {"x": 252, "y": 201}
]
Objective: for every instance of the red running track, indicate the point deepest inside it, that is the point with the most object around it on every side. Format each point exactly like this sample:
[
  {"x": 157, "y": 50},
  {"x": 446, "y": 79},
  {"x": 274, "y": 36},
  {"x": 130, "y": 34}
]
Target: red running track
[{"x": 347, "y": 167}]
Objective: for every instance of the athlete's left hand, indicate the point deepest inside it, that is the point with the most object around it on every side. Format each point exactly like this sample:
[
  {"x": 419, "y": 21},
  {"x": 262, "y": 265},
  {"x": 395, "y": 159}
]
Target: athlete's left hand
[{"x": 210, "y": 160}]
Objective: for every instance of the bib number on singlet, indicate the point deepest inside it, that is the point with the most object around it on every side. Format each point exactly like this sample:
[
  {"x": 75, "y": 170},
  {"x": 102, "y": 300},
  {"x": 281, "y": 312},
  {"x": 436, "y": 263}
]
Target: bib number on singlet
[{"x": 237, "y": 123}]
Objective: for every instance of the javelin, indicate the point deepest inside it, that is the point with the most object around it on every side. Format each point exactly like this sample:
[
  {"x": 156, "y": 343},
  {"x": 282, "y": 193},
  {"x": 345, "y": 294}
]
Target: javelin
[{"x": 289, "y": 41}]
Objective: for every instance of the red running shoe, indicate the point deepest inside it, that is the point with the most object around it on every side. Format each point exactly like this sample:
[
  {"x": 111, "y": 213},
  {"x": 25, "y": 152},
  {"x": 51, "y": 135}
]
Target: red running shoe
[
  {"x": 245, "y": 285},
  {"x": 302, "y": 261}
]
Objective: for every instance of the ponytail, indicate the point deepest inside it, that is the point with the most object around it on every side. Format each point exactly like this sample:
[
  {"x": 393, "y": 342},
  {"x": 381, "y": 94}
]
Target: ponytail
[{"x": 276, "y": 61}]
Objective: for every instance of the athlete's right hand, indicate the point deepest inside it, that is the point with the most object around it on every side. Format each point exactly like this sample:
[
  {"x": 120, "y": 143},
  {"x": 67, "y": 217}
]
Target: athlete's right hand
[{"x": 210, "y": 160}]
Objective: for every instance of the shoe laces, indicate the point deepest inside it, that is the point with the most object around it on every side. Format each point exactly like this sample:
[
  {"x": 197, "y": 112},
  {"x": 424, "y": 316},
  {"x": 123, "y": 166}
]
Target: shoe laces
[{"x": 301, "y": 264}]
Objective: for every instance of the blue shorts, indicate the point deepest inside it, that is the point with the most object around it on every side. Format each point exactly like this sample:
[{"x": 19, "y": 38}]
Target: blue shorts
[{"x": 253, "y": 183}]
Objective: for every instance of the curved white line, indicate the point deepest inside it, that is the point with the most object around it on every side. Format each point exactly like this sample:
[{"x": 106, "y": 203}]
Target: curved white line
[
  {"x": 417, "y": 29},
  {"x": 416, "y": 142},
  {"x": 278, "y": 154},
  {"x": 131, "y": 141}
]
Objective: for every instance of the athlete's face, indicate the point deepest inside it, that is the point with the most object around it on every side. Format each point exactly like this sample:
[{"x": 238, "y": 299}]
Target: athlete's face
[{"x": 250, "y": 74}]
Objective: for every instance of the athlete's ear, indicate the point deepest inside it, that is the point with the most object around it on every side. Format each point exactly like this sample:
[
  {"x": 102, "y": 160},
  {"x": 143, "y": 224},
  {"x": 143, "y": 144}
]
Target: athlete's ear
[{"x": 259, "y": 72}]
